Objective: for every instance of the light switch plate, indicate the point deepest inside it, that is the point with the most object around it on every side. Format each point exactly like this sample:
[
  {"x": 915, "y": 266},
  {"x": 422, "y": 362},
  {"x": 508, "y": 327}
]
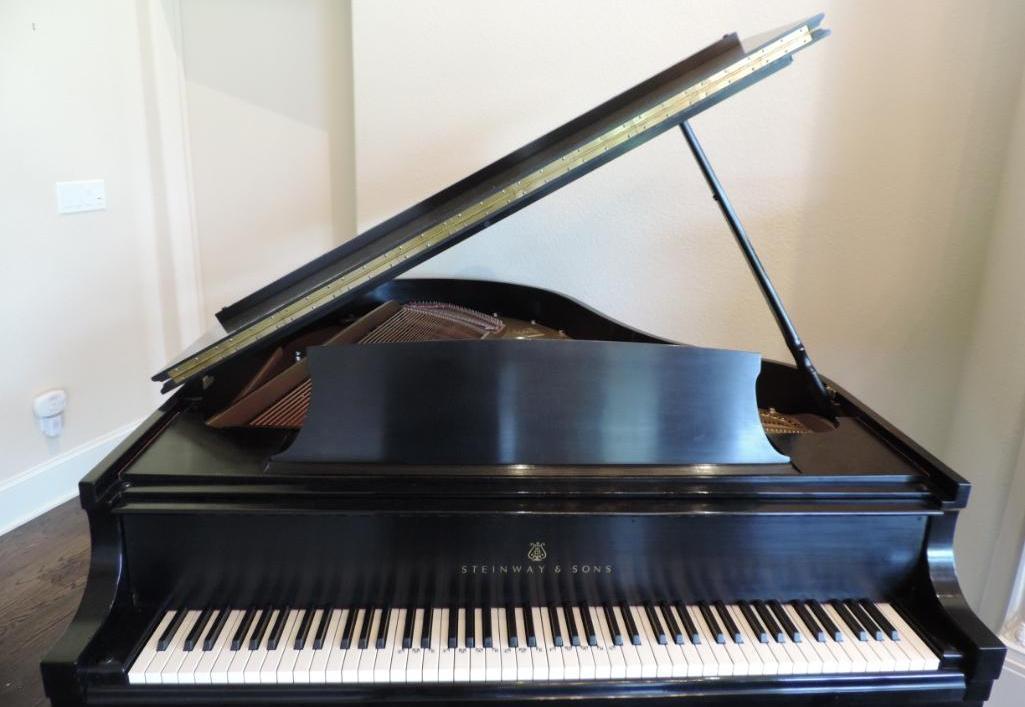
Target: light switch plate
[{"x": 85, "y": 195}]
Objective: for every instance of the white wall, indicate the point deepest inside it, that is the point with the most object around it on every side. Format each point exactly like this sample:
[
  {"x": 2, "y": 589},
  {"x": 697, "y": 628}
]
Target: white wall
[
  {"x": 989, "y": 421},
  {"x": 80, "y": 304},
  {"x": 866, "y": 174},
  {"x": 268, "y": 87}
]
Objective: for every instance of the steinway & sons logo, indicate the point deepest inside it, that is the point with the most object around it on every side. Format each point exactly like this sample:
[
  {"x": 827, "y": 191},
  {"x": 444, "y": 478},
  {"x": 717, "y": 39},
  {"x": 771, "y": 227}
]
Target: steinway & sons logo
[{"x": 536, "y": 554}]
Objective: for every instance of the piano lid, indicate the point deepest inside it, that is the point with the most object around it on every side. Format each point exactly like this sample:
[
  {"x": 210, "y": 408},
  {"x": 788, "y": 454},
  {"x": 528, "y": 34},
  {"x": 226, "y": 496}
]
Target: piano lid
[{"x": 513, "y": 182}]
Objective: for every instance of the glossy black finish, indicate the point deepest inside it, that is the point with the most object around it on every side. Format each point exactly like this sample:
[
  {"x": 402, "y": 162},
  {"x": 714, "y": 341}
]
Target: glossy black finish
[{"x": 542, "y": 403}]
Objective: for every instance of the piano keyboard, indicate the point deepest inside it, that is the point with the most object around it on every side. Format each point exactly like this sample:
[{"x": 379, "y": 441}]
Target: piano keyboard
[{"x": 527, "y": 643}]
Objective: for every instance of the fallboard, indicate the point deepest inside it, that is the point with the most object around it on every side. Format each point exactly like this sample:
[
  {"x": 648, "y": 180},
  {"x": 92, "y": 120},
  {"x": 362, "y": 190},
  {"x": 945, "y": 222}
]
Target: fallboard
[{"x": 425, "y": 558}]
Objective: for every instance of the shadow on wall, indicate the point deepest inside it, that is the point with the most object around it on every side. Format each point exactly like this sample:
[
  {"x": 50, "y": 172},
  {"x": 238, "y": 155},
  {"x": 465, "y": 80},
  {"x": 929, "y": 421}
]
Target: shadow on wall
[
  {"x": 269, "y": 91},
  {"x": 924, "y": 156}
]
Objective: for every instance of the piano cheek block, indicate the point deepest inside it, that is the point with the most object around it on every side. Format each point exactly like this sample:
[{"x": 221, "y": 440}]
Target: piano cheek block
[{"x": 578, "y": 403}]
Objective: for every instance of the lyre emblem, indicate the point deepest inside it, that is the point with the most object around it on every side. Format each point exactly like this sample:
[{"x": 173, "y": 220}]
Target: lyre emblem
[{"x": 536, "y": 553}]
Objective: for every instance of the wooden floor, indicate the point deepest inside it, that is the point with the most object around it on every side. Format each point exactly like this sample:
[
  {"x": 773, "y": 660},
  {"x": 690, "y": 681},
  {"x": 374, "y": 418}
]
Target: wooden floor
[{"x": 42, "y": 574}]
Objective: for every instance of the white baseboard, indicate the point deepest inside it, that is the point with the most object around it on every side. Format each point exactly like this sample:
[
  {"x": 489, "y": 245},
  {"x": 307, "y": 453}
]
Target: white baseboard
[{"x": 37, "y": 490}]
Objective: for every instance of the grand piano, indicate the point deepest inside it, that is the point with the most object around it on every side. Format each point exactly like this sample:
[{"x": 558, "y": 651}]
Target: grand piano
[{"x": 373, "y": 488}]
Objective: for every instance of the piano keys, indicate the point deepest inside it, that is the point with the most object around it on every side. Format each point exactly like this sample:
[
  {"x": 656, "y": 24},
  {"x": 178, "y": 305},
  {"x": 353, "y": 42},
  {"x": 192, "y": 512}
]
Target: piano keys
[
  {"x": 477, "y": 654},
  {"x": 367, "y": 488}
]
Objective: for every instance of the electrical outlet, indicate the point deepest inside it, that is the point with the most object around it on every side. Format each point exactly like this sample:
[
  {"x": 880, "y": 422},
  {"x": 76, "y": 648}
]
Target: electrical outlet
[{"x": 86, "y": 195}]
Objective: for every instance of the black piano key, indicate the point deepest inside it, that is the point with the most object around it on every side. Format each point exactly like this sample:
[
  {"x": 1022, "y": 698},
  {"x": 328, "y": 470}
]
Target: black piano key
[
  {"x": 510, "y": 627},
  {"x": 487, "y": 630},
  {"x": 688, "y": 623},
  {"x": 571, "y": 624},
  {"x": 732, "y": 629},
  {"x": 553, "y": 620},
  {"x": 528, "y": 626},
  {"x": 407, "y": 628},
  {"x": 589, "y": 629},
  {"x": 753, "y": 621},
  {"x": 382, "y": 631},
  {"x": 197, "y": 630},
  {"x": 865, "y": 620},
  {"x": 774, "y": 629},
  {"x": 713, "y": 626},
  {"x": 304, "y": 629},
  {"x": 672, "y": 623},
  {"x": 425, "y": 632},
  {"x": 614, "y": 627},
  {"x": 872, "y": 610},
  {"x": 470, "y": 634},
  {"x": 852, "y": 623},
  {"x": 823, "y": 618},
  {"x": 276, "y": 631},
  {"x": 364, "y": 632},
  {"x": 261, "y": 628},
  {"x": 785, "y": 622},
  {"x": 348, "y": 629},
  {"x": 320, "y": 633},
  {"x": 215, "y": 629},
  {"x": 243, "y": 629},
  {"x": 631, "y": 625},
  {"x": 172, "y": 628},
  {"x": 656, "y": 625},
  {"x": 809, "y": 621}
]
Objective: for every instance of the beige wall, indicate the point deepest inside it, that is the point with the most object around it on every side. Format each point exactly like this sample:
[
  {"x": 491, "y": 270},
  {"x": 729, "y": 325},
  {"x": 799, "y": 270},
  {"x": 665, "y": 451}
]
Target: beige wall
[
  {"x": 866, "y": 173},
  {"x": 79, "y": 300},
  {"x": 268, "y": 87}
]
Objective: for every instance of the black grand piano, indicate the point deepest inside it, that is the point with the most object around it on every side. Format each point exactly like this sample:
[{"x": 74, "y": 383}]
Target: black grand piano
[{"x": 367, "y": 488}]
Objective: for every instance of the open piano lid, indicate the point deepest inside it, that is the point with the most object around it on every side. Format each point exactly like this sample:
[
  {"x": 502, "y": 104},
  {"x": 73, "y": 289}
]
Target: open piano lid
[{"x": 518, "y": 179}]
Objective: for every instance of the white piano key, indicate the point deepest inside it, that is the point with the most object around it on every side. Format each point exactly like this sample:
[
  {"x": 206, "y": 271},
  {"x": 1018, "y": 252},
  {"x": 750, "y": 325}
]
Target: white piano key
[
  {"x": 556, "y": 671},
  {"x": 508, "y": 653},
  {"x": 538, "y": 653},
  {"x": 219, "y": 669},
  {"x": 187, "y": 670},
  {"x": 461, "y": 669},
  {"x": 524, "y": 662},
  {"x": 399, "y": 655},
  {"x": 176, "y": 653},
  {"x": 392, "y": 633},
  {"x": 447, "y": 657},
  {"x": 723, "y": 664},
  {"x": 269, "y": 669},
  {"x": 203, "y": 671},
  {"x": 289, "y": 655},
  {"x": 254, "y": 666},
  {"x": 585, "y": 658},
  {"x": 351, "y": 660},
  {"x": 493, "y": 655},
  {"x": 649, "y": 664},
  {"x": 751, "y": 656},
  {"x": 318, "y": 670},
  {"x": 812, "y": 660},
  {"x": 415, "y": 654},
  {"x": 368, "y": 655},
  {"x": 303, "y": 662},
  {"x": 617, "y": 664},
  {"x": 602, "y": 662},
  {"x": 855, "y": 659},
  {"x": 663, "y": 665},
  {"x": 924, "y": 658},
  {"x": 432, "y": 655},
  {"x": 631, "y": 654},
  {"x": 695, "y": 655},
  {"x": 477, "y": 655},
  {"x": 137, "y": 673}
]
